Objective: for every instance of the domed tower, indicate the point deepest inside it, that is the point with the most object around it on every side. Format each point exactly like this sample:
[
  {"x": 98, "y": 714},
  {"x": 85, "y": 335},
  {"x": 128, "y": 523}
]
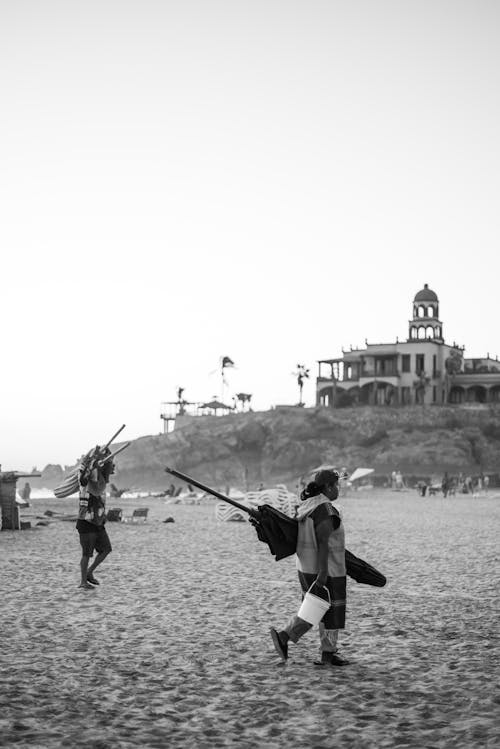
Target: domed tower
[{"x": 426, "y": 323}]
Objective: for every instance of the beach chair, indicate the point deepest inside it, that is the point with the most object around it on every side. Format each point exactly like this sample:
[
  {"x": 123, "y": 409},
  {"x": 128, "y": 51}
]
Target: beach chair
[
  {"x": 115, "y": 515},
  {"x": 139, "y": 515},
  {"x": 227, "y": 513}
]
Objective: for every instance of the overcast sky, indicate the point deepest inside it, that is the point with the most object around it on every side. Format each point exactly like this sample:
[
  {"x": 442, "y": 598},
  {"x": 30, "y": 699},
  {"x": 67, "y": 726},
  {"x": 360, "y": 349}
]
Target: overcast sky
[{"x": 264, "y": 180}]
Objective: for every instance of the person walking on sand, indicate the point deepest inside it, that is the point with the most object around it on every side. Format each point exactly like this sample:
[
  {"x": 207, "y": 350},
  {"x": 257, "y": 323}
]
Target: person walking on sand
[
  {"x": 93, "y": 478},
  {"x": 320, "y": 559}
]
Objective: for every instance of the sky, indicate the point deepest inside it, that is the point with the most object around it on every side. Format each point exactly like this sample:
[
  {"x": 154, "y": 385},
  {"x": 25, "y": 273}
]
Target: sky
[{"x": 269, "y": 180}]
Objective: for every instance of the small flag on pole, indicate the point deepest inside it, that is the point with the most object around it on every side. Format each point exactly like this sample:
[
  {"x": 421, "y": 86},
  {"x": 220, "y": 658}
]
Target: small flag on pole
[{"x": 227, "y": 362}]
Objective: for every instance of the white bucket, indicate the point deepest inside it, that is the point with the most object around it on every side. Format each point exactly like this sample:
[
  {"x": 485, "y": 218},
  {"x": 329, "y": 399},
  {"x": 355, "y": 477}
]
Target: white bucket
[{"x": 313, "y": 607}]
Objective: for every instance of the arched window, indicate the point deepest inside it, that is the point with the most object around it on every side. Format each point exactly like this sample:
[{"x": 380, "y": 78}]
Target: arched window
[
  {"x": 421, "y": 332},
  {"x": 429, "y": 331},
  {"x": 421, "y": 310},
  {"x": 437, "y": 332},
  {"x": 476, "y": 394},
  {"x": 456, "y": 395},
  {"x": 413, "y": 332},
  {"x": 430, "y": 311}
]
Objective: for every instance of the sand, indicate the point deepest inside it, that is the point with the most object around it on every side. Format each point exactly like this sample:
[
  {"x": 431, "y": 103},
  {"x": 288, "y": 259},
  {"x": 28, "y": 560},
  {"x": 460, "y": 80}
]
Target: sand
[{"x": 173, "y": 648}]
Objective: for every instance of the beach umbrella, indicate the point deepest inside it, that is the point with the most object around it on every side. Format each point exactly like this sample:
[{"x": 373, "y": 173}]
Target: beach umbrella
[
  {"x": 360, "y": 473},
  {"x": 363, "y": 572},
  {"x": 275, "y": 529},
  {"x": 70, "y": 485},
  {"x": 279, "y": 532}
]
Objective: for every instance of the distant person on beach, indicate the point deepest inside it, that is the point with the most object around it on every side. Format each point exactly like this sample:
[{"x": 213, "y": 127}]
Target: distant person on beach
[
  {"x": 422, "y": 488},
  {"x": 93, "y": 478},
  {"x": 320, "y": 560},
  {"x": 26, "y": 492}
]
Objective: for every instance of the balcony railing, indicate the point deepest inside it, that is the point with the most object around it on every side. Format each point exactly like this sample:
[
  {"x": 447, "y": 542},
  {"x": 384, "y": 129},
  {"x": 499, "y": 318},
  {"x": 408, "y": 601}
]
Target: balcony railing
[
  {"x": 372, "y": 373},
  {"x": 354, "y": 377}
]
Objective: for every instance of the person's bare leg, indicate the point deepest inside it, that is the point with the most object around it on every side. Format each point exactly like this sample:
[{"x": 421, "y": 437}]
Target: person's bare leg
[
  {"x": 100, "y": 557},
  {"x": 84, "y": 563}
]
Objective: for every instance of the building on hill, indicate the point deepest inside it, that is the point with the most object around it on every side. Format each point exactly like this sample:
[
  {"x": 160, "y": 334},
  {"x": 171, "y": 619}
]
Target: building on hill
[{"x": 424, "y": 369}]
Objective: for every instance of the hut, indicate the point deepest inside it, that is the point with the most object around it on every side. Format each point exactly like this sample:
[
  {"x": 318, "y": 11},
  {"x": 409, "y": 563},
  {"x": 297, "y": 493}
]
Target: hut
[{"x": 8, "y": 504}]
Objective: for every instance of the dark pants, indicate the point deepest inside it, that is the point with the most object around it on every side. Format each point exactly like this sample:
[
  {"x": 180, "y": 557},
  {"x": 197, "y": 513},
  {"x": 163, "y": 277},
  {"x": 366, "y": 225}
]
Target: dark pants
[{"x": 95, "y": 541}]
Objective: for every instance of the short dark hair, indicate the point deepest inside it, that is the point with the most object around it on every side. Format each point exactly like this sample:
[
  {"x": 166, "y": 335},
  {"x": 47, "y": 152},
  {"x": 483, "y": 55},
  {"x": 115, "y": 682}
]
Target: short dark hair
[{"x": 326, "y": 476}]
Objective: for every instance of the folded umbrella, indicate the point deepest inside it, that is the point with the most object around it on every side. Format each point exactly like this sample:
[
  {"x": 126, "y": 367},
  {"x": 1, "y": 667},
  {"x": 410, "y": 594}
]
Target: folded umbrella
[
  {"x": 279, "y": 532},
  {"x": 363, "y": 572},
  {"x": 275, "y": 529}
]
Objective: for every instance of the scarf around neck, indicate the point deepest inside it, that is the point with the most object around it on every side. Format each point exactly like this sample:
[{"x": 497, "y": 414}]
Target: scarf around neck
[{"x": 308, "y": 505}]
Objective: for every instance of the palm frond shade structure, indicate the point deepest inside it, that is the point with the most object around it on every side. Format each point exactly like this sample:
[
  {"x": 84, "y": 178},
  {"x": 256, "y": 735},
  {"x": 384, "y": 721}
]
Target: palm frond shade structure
[{"x": 279, "y": 532}]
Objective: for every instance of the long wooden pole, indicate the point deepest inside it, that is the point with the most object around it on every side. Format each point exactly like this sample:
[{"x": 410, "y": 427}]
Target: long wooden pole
[
  {"x": 207, "y": 489},
  {"x": 114, "y": 436},
  {"x": 112, "y": 455}
]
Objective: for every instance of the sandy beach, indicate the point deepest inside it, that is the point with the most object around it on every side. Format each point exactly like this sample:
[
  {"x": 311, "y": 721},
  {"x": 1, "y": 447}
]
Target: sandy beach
[{"x": 173, "y": 648}]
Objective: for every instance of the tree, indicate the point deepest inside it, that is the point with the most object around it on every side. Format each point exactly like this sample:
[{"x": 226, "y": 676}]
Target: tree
[
  {"x": 421, "y": 386},
  {"x": 302, "y": 374},
  {"x": 181, "y": 402}
]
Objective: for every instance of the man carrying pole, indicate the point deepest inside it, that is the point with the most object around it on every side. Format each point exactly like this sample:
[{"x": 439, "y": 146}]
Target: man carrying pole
[{"x": 93, "y": 476}]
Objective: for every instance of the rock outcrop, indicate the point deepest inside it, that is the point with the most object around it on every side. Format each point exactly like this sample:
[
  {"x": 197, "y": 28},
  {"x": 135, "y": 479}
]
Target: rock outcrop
[{"x": 281, "y": 444}]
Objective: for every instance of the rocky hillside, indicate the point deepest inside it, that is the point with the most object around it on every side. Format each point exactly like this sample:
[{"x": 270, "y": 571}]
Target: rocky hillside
[{"x": 279, "y": 445}]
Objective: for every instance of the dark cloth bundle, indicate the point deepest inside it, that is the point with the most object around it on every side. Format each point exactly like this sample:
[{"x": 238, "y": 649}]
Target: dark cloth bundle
[{"x": 275, "y": 529}]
